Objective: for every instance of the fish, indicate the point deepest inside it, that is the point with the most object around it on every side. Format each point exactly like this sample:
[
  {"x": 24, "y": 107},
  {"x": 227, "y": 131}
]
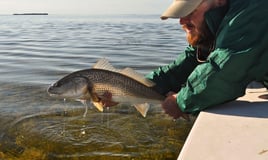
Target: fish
[{"x": 126, "y": 86}]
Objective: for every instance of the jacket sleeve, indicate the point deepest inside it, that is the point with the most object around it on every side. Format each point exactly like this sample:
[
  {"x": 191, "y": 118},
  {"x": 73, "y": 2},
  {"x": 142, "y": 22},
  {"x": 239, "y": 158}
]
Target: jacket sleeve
[
  {"x": 240, "y": 57},
  {"x": 219, "y": 80},
  {"x": 172, "y": 76}
]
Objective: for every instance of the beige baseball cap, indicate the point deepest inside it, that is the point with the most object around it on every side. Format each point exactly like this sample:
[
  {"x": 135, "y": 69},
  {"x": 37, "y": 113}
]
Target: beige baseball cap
[{"x": 180, "y": 8}]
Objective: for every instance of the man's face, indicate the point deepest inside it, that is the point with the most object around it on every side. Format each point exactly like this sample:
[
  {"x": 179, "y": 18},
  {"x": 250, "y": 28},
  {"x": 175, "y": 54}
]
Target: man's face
[{"x": 197, "y": 32}]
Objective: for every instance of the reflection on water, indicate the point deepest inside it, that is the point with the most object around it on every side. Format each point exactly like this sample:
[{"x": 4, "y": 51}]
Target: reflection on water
[{"x": 35, "y": 52}]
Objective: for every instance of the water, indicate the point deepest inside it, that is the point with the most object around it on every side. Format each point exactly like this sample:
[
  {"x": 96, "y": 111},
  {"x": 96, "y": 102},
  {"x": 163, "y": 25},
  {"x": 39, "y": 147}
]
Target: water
[{"x": 35, "y": 51}]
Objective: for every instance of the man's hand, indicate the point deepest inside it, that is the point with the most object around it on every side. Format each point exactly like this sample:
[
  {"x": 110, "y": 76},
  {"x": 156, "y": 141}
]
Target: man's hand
[
  {"x": 171, "y": 108},
  {"x": 106, "y": 99}
]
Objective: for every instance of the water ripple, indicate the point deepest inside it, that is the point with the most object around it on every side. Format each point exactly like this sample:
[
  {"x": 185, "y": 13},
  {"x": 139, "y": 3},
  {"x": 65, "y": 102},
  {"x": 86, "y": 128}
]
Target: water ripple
[{"x": 35, "y": 51}]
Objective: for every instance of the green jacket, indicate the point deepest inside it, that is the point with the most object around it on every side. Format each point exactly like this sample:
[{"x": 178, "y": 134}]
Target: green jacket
[{"x": 240, "y": 56}]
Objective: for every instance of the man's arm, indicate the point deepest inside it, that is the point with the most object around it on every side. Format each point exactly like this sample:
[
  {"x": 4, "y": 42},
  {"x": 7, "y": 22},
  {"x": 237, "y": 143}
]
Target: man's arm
[
  {"x": 240, "y": 57},
  {"x": 172, "y": 76}
]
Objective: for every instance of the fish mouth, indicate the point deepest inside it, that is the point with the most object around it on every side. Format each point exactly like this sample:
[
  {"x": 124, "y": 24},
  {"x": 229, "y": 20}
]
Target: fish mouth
[{"x": 52, "y": 91}]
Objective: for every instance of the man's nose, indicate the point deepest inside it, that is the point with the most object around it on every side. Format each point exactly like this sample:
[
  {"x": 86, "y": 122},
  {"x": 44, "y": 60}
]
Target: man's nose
[{"x": 184, "y": 20}]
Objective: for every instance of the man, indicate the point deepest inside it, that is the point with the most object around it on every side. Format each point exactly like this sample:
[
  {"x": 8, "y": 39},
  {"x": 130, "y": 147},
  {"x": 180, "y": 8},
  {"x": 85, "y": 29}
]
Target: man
[{"x": 227, "y": 50}]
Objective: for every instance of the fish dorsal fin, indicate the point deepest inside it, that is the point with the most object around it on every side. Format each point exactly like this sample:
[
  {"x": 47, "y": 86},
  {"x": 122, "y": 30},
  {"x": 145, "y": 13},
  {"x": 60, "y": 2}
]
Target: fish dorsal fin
[
  {"x": 137, "y": 76},
  {"x": 105, "y": 64},
  {"x": 142, "y": 108}
]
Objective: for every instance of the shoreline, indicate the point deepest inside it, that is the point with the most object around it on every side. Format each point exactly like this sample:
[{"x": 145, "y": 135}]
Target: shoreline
[{"x": 16, "y": 14}]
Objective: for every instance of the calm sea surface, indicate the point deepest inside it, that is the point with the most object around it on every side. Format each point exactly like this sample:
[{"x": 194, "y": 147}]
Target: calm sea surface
[{"x": 35, "y": 51}]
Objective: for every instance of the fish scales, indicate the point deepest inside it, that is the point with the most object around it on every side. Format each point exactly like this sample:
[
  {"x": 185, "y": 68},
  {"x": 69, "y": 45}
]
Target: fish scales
[
  {"x": 125, "y": 86},
  {"x": 118, "y": 84}
]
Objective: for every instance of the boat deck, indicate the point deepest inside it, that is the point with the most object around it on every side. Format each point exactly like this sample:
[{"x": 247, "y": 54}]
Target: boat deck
[{"x": 233, "y": 131}]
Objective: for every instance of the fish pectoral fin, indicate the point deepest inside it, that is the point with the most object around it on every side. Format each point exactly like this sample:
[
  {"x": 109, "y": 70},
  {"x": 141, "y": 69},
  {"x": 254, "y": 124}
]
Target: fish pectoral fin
[
  {"x": 98, "y": 105},
  {"x": 142, "y": 108},
  {"x": 96, "y": 101}
]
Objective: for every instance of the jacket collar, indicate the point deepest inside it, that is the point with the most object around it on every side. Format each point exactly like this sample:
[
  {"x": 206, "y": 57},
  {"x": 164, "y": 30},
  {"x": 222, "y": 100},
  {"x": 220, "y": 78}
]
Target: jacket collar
[{"x": 215, "y": 17}]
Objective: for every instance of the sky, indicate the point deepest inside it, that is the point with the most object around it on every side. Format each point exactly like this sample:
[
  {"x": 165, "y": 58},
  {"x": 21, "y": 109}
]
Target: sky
[{"x": 84, "y": 7}]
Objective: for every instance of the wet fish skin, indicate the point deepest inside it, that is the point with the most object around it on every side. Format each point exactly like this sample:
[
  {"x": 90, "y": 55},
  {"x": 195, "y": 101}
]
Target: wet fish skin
[
  {"x": 82, "y": 84},
  {"x": 91, "y": 84},
  {"x": 72, "y": 87}
]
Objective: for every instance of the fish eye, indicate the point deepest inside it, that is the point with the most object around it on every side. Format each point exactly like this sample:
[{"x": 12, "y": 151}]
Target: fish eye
[
  {"x": 53, "y": 84},
  {"x": 56, "y": 84}
]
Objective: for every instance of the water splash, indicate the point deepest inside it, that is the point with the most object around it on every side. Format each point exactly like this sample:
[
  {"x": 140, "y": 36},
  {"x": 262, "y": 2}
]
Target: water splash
[
  {"x": 86, "y": 107},
  {"x": 108, "y": 117}
]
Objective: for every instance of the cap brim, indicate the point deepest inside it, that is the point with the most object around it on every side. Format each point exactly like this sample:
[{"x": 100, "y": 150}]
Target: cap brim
[{"x": 180, "y": 8}]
